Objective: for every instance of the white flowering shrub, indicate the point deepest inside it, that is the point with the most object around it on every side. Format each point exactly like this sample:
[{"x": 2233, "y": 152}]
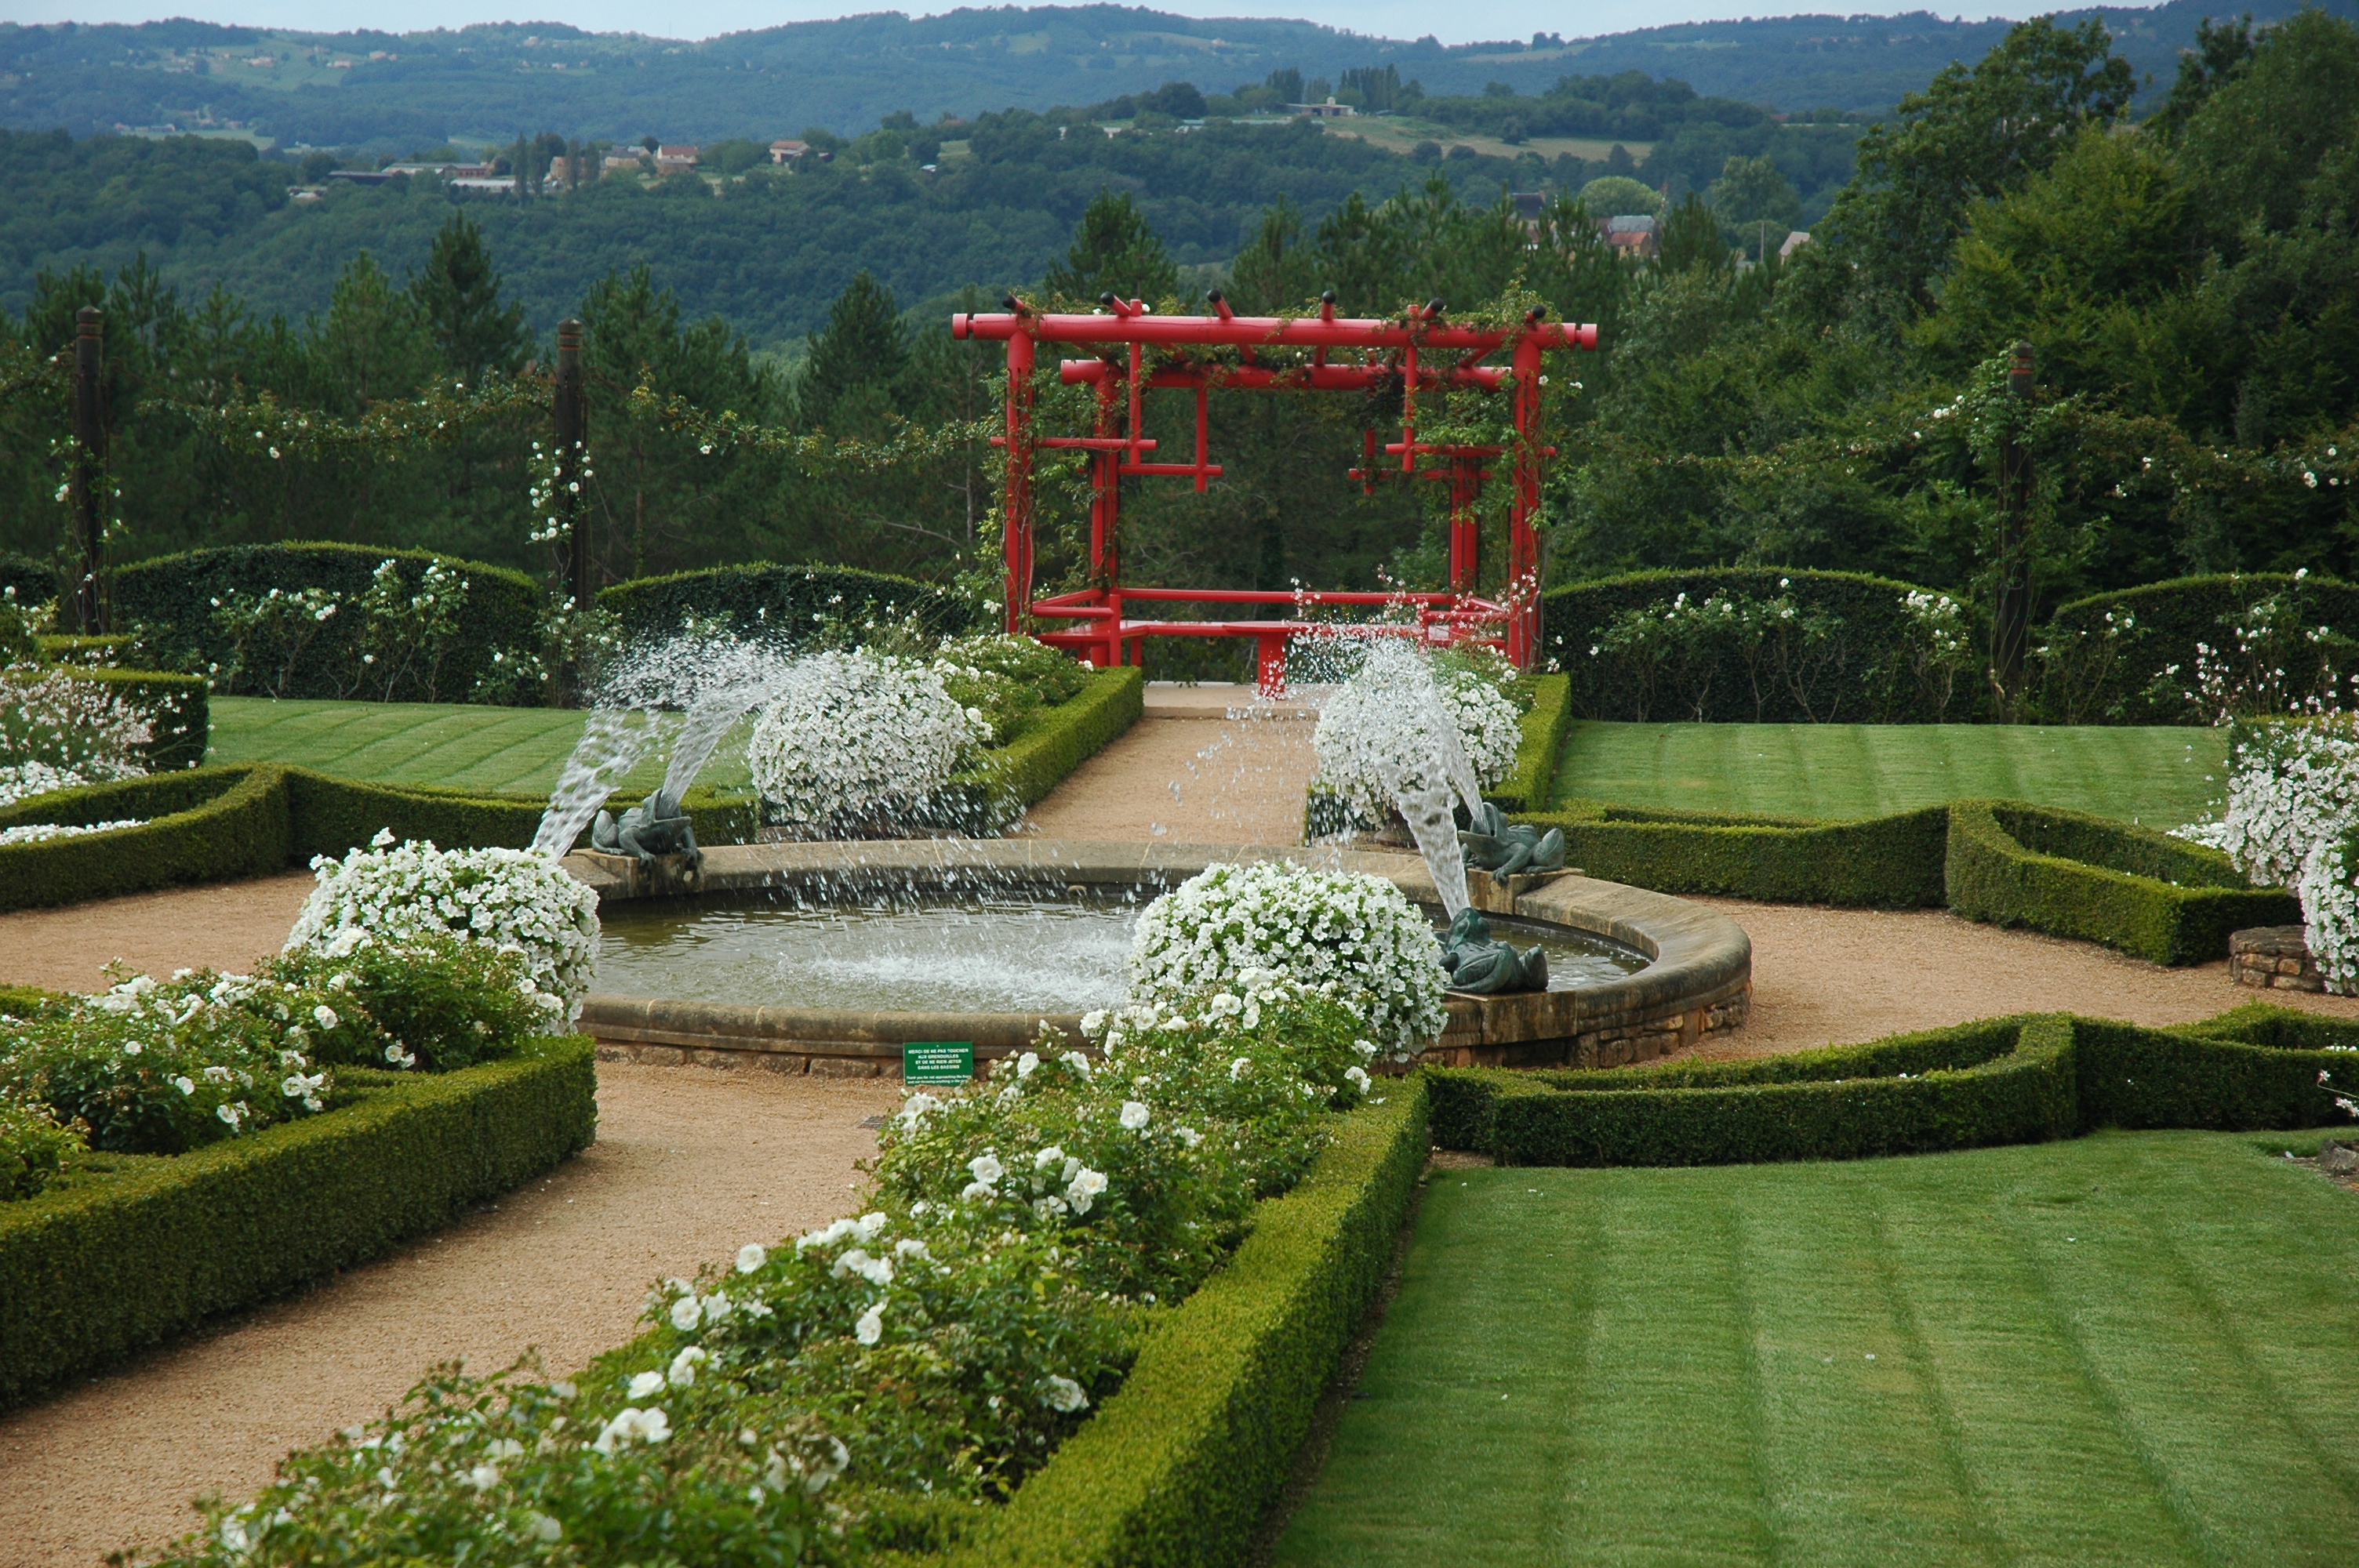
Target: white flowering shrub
[
  {"x": 2293, "y": 801},
  {"x": 937, "y": 1345},
  {"x": 860, "y": 737},
  {"x": 1378, "y": 733},
  {"x": 1357, "y": 937},
  {"x": 61, "y": 732},
  {"x": 517, "y": 900},
  {"x": 41, "y": 832}
]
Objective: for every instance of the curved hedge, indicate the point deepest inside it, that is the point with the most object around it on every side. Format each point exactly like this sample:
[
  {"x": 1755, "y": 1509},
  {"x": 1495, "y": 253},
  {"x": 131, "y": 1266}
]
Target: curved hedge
[
  {"x": 2087, "y": 676},
  {"x": 133, "y": 1249},
  {"x": 1862, "y": 675},
  {"x": 172, "y": 598},
  {"x": 203, "y": 826},
  {"x": 2071, "y": 874},
  {"x": 1541, "y": 743},
  {"x": 2016, "y": 1080},
  {"x": 1878, "y": 862},
  {"x": 785, "y": 602}
]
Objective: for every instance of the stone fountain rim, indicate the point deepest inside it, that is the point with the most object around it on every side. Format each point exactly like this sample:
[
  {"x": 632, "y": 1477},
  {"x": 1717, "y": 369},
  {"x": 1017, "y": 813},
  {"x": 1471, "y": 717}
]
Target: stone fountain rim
[{"x": 1701, "y": 961}]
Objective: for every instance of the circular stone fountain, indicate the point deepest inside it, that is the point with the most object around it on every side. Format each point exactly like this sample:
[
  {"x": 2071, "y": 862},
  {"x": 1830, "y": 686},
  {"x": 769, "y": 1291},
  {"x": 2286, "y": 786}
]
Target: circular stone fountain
[{"x": 828, "y": 957}]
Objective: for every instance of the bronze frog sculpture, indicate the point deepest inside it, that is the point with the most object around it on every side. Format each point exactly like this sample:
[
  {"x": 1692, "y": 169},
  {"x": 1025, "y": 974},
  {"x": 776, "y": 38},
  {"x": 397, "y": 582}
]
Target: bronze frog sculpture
[
  {"x": 1476, "y": 962},
  {"x": 1503, "y": 848},
  {"x": 657, "y": 826}
]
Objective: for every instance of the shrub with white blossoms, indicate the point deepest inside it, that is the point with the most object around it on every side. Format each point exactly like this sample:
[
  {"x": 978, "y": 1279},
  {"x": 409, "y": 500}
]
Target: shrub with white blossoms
[
  {"x": 517, "y": 900},
  {"x": 2293, "y": 804},
  {"x": 1391, "y": 722},
  {"x": 860, "y": 737},
  {"x": 936, "y": 1346},
  {"x": 1356, "y": 936},
  {"x": 62, "y": 732}
]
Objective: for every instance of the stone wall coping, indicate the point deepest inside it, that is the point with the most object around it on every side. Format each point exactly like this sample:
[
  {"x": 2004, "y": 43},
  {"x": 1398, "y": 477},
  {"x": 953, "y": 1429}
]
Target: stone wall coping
[{"x": 1701, "y": 958}]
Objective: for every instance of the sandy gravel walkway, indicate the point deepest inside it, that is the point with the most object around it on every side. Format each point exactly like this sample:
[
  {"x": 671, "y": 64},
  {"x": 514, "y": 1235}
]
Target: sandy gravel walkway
[
  {"x": 224, "y": 925},
  {"x": 689, "y": 1165},
  {"x": 1190, "y": 773}
]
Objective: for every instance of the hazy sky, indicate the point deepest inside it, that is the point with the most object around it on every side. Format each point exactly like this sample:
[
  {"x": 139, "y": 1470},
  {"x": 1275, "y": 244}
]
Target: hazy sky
[{"x": 703, "y": 18}]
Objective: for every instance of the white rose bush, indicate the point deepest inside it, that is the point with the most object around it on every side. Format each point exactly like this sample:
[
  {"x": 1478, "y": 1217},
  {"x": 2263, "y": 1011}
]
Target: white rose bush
[
  {"x": 59, "y": 730},
  {"x": 858, "y": 738},
  {"x": 1355, "y": 937},
  {"x": 818, "y": 1399},
  {"x": 2293, "y": 807},
  {"x": 518, "y": 901}
]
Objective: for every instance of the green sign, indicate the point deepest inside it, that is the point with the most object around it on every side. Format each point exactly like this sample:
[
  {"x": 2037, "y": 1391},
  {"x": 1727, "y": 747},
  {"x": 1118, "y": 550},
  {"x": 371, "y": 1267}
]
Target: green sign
[{"x": 937, "y": 1062}]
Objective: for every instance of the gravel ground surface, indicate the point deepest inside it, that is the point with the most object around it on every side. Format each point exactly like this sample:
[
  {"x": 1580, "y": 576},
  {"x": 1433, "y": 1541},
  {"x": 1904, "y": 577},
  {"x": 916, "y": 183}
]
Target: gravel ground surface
[
  {"x": 224, "y": 925},
  {"x": 689, "y": 1165},
  {"x": 1189, "y": 773}
]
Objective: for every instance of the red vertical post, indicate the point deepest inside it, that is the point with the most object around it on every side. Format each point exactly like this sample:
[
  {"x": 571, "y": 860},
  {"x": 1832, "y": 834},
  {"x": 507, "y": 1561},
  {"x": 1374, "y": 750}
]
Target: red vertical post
[
  {"x": 1465, "y": 527},
  {"x": 1523, "y": 542},
  {"x": 1270, "y": 661},
  {"x": 1015, "y": 526},
  {"x": 1105, "y": 523}
]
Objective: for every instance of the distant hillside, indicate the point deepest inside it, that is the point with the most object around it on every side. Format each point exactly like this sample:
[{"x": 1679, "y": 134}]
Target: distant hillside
[{"x": 389, "y": 91}]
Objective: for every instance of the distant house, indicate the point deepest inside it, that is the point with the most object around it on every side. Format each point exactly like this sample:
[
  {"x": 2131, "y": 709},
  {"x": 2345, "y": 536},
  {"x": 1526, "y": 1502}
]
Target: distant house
[
  {"x": 467, "y": 171},
  {"x": 613, "y": 161},
  {"x": 1331, "y": 110},
  {"x": 1636, "y": 234},
  {"x": 1794, "y": 241},
  {"x": 483, "y": 182},
  {"x": 787, "y": 150},
  {"x": 562, "y": 170},
  {"x": 676, "y": 160}
]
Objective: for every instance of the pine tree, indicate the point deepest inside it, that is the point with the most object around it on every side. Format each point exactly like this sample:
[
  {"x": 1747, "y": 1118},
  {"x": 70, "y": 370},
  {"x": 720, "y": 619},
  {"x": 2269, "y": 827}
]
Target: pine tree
[
  {"x": 1114, "y": 249},
  {"x": 858, "y": 358},
  {"x": 459, "y": 296}
]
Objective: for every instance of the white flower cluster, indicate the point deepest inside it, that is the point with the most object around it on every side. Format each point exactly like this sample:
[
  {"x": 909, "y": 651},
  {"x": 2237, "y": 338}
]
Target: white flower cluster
[
  {"x": 517, "y": 900},
  {"x": 1355, "y": 936},
  {"x": 2293, "y": 803},
  {"x": 59, "y": 731},
  {"x": 40, "y": 832},
  {"x": 1382, "y": 731},
  {"x": 859, "y": 735}
]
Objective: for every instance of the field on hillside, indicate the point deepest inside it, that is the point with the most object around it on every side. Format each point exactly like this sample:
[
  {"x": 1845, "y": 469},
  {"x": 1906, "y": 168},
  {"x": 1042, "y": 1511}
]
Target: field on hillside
[
  {"x": 2128, "y": 1349},
  {"x": 2158, "y": 777},
  {"x": 1399, "y": 133}
]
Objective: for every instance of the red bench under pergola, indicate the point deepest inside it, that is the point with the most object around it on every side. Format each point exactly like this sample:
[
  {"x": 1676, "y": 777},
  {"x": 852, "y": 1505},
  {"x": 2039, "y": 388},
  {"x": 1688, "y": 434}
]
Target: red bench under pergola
[{"x": 1421, "y": 351}]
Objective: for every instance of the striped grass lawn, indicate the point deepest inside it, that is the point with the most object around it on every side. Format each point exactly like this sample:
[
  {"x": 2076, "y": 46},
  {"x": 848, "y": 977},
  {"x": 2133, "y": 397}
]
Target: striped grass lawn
[
  {"x": 500, "y": 751},
  {"x": 2129, "y": 1349},
  {"x": 2160, "y": 776}
]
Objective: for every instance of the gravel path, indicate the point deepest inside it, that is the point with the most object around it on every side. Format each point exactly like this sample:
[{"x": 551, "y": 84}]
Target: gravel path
[
  {"x": 224, "y": 925},
  {"x": 689, "y": 1165},
  {"x": 1190, "y": 773}
]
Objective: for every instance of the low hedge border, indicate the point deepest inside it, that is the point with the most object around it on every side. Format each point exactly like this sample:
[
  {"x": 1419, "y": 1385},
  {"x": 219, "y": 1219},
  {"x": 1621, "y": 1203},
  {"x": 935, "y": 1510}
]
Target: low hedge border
[
  {"x": 1182, "y": 1464},
  {"x": 139, "y": 1248},
  {"x": 2014, "y": 1080},
  {"x": 206, "y": 826},
  {"x": 1544, "y": 727},
  {"x": 987, "y": 797},
  {"x": 2071, "y": 874},
  {"x": 1879, "y": 862}
]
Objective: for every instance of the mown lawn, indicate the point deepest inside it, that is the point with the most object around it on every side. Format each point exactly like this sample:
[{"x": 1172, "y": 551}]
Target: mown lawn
[
  {"x": 2160, "y": 776},
  {"x": 504, "y": 751},
  {"x": 2133, "y": 1349}
]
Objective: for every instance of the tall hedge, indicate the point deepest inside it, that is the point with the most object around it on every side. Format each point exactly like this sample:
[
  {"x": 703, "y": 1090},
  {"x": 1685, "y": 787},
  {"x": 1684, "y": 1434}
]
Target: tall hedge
[
  {"x": 1863, "y": 674},
  {"x": 784, "y": 602},
  {"x": 172, "y": 599},
  {"x": 2071, "y": 874},
  {"x": 136, "y": 1248},
  {"x": 1996, "y": 1081},
  {"x": 2096, "y": 670},
  {"x": 34, "y": 580},
  {"x": 1180, "y": 1465}
]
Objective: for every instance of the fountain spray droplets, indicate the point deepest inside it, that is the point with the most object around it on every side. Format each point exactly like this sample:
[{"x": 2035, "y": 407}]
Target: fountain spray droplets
[{"x": 1386, "y": 740}]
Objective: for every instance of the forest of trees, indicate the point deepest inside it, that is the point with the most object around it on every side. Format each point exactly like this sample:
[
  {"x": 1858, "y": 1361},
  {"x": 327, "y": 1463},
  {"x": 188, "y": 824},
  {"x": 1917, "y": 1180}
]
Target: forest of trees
[{"x": 2190, "y": 283}]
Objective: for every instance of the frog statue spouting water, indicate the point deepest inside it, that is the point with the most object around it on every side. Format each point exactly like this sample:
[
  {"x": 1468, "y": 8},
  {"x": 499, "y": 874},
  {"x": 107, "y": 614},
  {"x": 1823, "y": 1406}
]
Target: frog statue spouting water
[
  {"x": 1478, "y": 963},
  {"x": 1503, "y": 848},
  {"x": 657, "y": 826}
]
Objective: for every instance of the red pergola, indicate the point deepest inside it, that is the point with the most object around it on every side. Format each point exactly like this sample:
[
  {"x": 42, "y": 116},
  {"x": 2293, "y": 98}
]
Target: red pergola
[{"x": 1421, "y": 352}]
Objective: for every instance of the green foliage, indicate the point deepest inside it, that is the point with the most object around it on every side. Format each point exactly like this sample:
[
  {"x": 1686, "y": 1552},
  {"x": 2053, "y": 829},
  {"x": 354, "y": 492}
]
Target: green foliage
[
  {"x": 1545, "y": 722},
  {"x": 458, "y": 295},
  {"x": 130, "y": 1251},
  {"x": 439, "y": 1002},
  {"x": 796, "y": 604},
  {"x": 208, "y": 825},
  {"x": 179, "y": 705},
  {"x": 1180, "y": 1466},
  {"x": 1056, "y": 740},
  {"x": 204, "y": 606},
  {"x": 1792, "y": 645},
  {"x": 1886, "y": 862},
  {"x": 1113, "y": 252},
  {"x": 2131, "y": 657},
  {"x": 34, "y": 1145},
  {"x": 2021, "y": 1081},
  {"x": 2069, "y": 874}
]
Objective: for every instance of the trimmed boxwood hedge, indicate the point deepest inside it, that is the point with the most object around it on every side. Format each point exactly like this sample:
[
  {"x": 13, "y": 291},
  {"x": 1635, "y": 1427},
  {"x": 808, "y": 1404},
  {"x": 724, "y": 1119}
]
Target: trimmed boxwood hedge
[
  {"x": 2016, "y": 1080},
  {"x": 171, "y": 599},
  {"x": 2086, "y": 681},
  {"x": 784, "y": 602},
  {"x": 1865, "y": 677},
  {"x": 1544, "y": 727},
  {"x": 1058, "y": 740},
  {"x": 2071, "y": 874},
  {"x": 1878, "y": 862},
  {"x": 209, "y": 824},
  {"x": 131, "y": 1250},
  {"x": 1179, "y": 1466}
]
